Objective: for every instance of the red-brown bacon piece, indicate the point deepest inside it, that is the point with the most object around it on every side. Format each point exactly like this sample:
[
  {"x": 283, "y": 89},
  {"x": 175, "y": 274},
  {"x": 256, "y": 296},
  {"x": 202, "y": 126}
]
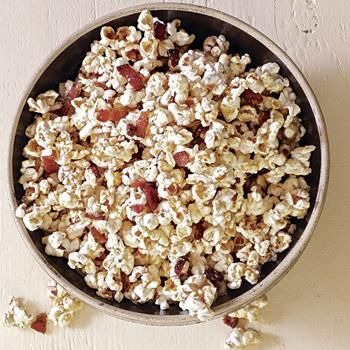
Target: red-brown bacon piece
[
  {"x": 181, "y": 158},
  {"x": 134, "y": 78}
]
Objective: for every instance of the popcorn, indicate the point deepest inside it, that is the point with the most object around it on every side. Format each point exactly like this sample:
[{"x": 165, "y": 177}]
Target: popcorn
[
  {"x": 145, "y": 21},
  {"x": 159, "y": 163},
  {"x": 17, "y": 316},
  {"x": 251, "y": 311},
  {"x": 63, "y": 307},
  {"x": 82, "y": 262},
  {"x": 240, "y": 338},
  {"x": 199, "y": 294},
  {"x": 235, "y": 272},
  {"x": 44, "y": 103}
]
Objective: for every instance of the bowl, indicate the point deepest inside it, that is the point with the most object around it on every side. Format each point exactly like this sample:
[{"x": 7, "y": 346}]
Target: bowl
[{"x": 64, "y": 63}]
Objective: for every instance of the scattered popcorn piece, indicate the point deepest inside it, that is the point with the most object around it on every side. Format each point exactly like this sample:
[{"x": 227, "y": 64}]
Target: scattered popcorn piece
[
  {"x": 251, "y": 311},
  {"x": 63, "y": 306},
  {"x": 240, "y": 338},
  {"x": 17, "y": 316}
]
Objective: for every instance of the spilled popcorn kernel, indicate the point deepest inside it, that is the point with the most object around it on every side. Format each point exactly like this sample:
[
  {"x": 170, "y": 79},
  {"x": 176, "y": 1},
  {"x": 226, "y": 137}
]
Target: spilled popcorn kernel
[
  {"x": 241, "y": 337},
  {"x": 17, "y": 315},
  {"x": 63, "y": 307}
]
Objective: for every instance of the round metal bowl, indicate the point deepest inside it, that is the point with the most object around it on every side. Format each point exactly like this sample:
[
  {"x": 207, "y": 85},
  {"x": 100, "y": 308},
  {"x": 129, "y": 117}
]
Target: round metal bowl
[{"x": 64, "y": 63}]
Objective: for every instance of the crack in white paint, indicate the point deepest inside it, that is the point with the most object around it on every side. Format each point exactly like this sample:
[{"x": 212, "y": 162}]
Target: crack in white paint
[{"x": 274, "y": 17}]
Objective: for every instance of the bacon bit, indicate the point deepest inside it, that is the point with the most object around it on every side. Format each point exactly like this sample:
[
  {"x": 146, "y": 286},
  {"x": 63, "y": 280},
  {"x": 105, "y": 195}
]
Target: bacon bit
[
  {"x": 202, "y": 146},
  {"x": 172, "y": 189},
  {"x": 263, "y": 116},
  {"x": 150, "y": 191},
  {"x": 131, "y": 130},
  {"x": 210, "y": 86},
  {"x": 199, "y": 133},
  {"x": 181, "y": 158},
  {"x": 134, "y": 78},
  {"x": 213, "y": 275},
  {"x": 234, "y": 197},
  {"x": 286, "y": 152},
  {"x": 198, "y": 231},
  {"x": 141, "y": 125},
  {"x": 137, "y": 208},
  {"x": 230, "y": 321},
  {"x": 174, "y": 57},
  {"x": 284, "y": 111},
  {"x": 95, "y": 217},
  {"x": 239, "y": 243},
  {"x": 133, "y": 54},
  {"x": 67, "y": 108},
  {"x": 114, "y": 115},
  {"x": 189, "y": 102},
  {"x": 99, "y": 260},
  {"x": 205, "y": 224},
  {"x": 101, "y": 85},
  {"x": 159, "y": 30},
  {"x": 179, "y": 266},
  {"x": 251, "y": 98},
  {"x": 99, "y": 237},
  {"x": 74, "y": 135},
  {"x": 126, "y": 282},
  {"x": 40, "y": 322},
  {"x": 95, "y": 170},
  {"x": 111, "y": 100},
  {"x": 74, "y": 92},
  {"x": 137, "y": 183},
  {"x": 50, "y": 165}
]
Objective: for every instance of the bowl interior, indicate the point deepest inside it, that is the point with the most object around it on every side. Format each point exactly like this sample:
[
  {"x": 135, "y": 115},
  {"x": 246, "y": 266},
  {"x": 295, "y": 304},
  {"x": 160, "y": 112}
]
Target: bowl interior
[{"x": 66, "y": 65}]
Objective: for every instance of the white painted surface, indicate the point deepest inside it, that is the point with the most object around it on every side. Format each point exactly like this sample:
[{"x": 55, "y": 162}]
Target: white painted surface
[{"x": 310, "y": 308}]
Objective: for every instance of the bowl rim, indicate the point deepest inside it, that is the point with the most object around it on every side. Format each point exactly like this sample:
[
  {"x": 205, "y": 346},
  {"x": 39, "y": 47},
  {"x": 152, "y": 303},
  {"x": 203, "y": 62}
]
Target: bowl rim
[{"x": 281, "y": 269}]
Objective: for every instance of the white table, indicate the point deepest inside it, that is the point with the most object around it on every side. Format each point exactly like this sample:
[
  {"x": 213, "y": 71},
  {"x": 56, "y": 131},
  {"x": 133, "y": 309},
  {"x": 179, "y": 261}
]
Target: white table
[{"x": 310, "y": 308}]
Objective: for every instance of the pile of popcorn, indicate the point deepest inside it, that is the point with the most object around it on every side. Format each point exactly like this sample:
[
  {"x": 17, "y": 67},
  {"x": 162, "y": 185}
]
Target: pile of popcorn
[
  {"x": 163, "y": 173},
  {"x": 62, "y": 310}
]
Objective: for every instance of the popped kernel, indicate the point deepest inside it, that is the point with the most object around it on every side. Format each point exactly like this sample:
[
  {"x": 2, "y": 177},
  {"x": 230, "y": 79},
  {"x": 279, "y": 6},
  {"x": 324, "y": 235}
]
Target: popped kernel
[
  {"x": 63, "y": 307},
  {"x": 17, "y": 315}
]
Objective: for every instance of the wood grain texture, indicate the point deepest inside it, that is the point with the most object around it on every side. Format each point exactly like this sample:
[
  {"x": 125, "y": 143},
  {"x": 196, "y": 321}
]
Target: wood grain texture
[{"x": 310, "y": 308}]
